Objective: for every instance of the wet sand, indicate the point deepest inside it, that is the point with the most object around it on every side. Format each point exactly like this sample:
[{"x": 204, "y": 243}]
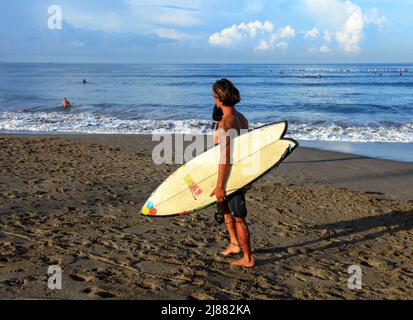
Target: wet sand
[{"x": 73, "y": 201}]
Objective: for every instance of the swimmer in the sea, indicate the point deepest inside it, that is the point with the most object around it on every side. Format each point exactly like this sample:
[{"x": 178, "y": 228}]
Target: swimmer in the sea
[{"x": 66, "y": 103}]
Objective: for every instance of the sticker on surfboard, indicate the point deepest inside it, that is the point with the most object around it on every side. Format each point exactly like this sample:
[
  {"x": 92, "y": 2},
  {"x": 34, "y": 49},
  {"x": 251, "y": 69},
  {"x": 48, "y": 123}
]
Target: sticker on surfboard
[
  {"x": 149, "y": 209},
  {"x": 192, "y": 186}
]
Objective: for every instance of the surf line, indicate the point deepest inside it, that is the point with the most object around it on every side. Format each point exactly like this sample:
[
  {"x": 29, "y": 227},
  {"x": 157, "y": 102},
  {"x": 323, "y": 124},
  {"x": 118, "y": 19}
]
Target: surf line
[{"x": 185, "y": 311}]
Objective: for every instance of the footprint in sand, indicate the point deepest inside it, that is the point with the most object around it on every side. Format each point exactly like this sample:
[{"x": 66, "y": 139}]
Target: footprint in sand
[
  {"x": 98, "y": 293},
  {"x": 157, "y": 268},
  {"x": 201, "y": 296},
  {"x": 81, "y": 277}
]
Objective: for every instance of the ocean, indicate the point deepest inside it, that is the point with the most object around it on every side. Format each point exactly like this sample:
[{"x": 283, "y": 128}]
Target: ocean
[{"x": 340, "y": 103}]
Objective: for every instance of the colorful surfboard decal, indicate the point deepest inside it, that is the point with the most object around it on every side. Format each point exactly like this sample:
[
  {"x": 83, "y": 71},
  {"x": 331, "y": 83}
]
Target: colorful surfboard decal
[
  {"x": 149, "y": 209},
  {"x": 195, "y": 189}
]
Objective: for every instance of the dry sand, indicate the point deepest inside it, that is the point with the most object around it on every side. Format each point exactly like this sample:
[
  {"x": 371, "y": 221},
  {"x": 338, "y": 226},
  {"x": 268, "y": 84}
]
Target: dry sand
[{"x": 74, "y": 201}]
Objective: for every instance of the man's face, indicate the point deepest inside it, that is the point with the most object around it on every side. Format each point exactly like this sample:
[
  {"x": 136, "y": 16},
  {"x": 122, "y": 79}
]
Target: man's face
[{"x": 217, "y": 101}]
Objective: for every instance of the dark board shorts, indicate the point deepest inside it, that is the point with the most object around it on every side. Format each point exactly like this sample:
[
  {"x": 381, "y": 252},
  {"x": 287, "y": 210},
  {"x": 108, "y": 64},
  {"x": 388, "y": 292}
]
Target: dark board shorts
[{"x": 234, "y": 205}]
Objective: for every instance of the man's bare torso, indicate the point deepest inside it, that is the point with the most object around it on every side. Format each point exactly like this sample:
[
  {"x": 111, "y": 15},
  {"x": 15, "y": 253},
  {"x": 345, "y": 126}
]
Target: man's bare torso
[{"x": 237, "y": 122}]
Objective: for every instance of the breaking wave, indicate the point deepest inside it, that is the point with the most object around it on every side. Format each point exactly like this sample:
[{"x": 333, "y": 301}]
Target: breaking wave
[{"x": 88, "y": 123}]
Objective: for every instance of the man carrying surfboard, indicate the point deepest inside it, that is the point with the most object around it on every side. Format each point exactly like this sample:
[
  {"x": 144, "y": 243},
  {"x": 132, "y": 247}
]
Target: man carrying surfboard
[{"x": 233, "y": 207}]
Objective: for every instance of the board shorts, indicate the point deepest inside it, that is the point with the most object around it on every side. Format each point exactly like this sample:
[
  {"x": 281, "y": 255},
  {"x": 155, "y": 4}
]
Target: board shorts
[{"x": 234, "y": 204}]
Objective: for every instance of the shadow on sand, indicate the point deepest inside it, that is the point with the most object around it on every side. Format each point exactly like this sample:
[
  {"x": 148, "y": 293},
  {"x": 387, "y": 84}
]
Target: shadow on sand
[
  {"x": 327, "y": 160},
  {"x": 392, "y": 223}
]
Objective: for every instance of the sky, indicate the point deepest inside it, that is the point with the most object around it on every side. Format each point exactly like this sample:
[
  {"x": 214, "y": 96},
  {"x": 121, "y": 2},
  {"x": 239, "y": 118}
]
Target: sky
[{"x": 206, "y": 31}]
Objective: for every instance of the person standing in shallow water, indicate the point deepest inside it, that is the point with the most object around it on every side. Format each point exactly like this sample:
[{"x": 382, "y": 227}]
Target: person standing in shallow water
[
  {"x": 233, "y": 207},
  {"x": 65, "y": 103}
]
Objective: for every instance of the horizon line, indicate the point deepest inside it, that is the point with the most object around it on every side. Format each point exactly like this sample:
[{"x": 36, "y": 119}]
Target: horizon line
[{"x": 212, "y": 63}]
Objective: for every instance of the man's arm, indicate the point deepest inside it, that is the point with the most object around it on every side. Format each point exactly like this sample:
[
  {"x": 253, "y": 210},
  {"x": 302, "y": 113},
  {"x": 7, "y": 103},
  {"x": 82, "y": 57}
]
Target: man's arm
[
  {"x": 224, "y": 161},
  {"x": 224, "y": 164}
]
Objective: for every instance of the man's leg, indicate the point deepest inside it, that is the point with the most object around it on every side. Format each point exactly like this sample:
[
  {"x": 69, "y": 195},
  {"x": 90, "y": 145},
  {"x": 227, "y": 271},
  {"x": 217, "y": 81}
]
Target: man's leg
[
  {"x": 233, "y": 247},
  {"x": 243, "y": 235}
]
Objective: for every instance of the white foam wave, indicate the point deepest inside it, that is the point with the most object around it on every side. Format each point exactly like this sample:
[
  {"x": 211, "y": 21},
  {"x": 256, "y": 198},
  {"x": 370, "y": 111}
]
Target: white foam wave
[
  {"x": 333, "y": 132},
  {"x": 88, "y": 123}
]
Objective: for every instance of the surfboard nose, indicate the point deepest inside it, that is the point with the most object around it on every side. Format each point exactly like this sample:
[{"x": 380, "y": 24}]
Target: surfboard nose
[{"x": 148, "y": 209}]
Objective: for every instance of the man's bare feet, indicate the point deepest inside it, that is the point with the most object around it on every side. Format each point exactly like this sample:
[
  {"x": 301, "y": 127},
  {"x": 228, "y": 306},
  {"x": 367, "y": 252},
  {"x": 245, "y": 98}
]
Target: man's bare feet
[
  {"x": 232, "y": 249},
  {"x": 244, "y": 262}
]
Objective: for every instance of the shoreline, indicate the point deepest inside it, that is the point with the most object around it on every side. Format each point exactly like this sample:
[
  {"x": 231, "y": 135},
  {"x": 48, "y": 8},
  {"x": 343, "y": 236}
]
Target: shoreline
[
  {"x": 309, "y": 165},
  {"x": 393, "y": 151},
  {"x": 74, "y": 201}
]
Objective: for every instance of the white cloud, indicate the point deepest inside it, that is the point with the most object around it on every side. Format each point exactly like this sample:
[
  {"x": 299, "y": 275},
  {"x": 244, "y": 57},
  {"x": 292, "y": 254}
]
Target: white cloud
[
  {"x": 253, "y": 27},
  {"x": 287, "y": 32},
  {"x": 375, "y": 17},
  {"x": 235, "y": 33},
  {"x": 152, "y": 14},
  {"x": 282, "y": 45},
  {"x": 327, "y": 36},
  {"x": 351, "y": 33},
  {"x": 226, "y": 37},
  {"x": 171, "y": 34},
  {"x": 347, "y": 20},
  {"x": 313, "y": 33},
  {"x": 267, "y": 45},
  {"x": 264, "y": 45},
  {"x": 179, "y": 18},
  {"x": 330, "y": 14},
  {"x": 342, "y": 21},
  {"x": 262, "y": 33},
  {"x": 325, "y": 49}
]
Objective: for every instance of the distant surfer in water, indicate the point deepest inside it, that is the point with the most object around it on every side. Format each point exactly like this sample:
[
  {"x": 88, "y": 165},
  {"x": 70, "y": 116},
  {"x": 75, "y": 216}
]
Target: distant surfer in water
[
  {"x": 233, "y": 207},
  {"x": 65, "y": 103}
]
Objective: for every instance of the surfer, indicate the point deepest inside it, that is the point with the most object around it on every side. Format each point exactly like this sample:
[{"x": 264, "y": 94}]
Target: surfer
[
  {"x": 233, "y": 207},
  {"x": 65, "y": 103}
]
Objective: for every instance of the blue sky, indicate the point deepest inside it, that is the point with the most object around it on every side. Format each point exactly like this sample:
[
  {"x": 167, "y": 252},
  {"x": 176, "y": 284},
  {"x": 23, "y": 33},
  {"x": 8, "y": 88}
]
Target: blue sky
[{"x": 212, "y": 31}]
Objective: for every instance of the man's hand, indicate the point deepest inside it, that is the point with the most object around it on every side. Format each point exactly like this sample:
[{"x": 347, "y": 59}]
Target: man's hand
[
  {"x": 216, "y": 137},
  {"x": 219, "y": 194}
]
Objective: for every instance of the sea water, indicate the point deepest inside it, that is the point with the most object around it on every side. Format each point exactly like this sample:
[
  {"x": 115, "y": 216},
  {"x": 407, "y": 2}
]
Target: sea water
[{"x": 356, "y": 103}]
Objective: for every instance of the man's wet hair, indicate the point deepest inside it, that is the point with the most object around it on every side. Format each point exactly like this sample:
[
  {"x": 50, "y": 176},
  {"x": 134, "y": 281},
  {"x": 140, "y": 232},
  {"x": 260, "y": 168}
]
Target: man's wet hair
[{"x": 226, "y": 92}]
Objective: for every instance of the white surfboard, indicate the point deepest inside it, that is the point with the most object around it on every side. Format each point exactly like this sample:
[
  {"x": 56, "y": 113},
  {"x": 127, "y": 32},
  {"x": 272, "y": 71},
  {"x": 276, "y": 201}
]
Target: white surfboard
[{"x": 188, "y": 189}]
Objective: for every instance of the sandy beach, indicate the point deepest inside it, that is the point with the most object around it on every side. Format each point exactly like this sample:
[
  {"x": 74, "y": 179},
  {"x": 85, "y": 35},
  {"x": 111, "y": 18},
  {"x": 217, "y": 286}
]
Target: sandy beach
[{"x": 74, "y": 201}]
